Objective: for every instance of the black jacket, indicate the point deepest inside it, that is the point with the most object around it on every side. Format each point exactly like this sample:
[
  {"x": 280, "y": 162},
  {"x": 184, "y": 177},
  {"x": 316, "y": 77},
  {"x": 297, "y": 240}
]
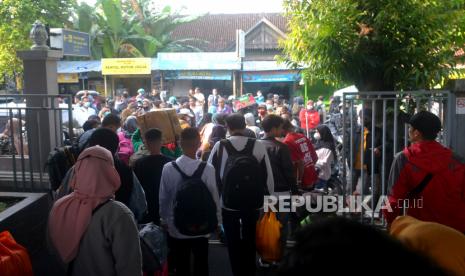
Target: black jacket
[{"x": 281, "y": 164}]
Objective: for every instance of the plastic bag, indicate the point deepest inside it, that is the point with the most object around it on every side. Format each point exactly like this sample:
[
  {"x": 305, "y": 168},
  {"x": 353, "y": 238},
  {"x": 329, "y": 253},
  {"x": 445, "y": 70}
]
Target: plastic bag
[
  {"x": 14, "y": 259},
  {"x": 268, "y": 234}
]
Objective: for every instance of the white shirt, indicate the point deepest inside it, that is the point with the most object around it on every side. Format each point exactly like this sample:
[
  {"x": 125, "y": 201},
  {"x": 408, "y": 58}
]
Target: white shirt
[
  {"x": 259, "y": 151},
  {"x": 325, "y": 159},
  {"x": 200, "y": 97},
  {"x": 169, "y": 185},
  {"x": 81, "y": 114}
]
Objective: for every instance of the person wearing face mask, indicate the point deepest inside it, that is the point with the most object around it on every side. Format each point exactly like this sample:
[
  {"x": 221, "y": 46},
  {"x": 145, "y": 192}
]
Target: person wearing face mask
[
  {"x": 309, "y": 118},
  {"x": 326, "y": 151},
  {"x": 83, "y": 112}
]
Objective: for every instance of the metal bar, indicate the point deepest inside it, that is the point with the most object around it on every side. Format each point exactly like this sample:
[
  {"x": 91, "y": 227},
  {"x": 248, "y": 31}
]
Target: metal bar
[
  {"x": 383, "y": 156},
  {"x": 373, "y": 133},
  {"x": 13, "y": 146},
  {"x": 344, "y": 143},
  {"x": 70, "y": 118},
  {"x": 23, "y": 166},
  {"x": 450, "y": 102},
  {"x": 362, "y": 159},
  {"x": 395, "y": 126},
  {"x": 352, "y": 128},
  {"x": 40, "y": 150}
]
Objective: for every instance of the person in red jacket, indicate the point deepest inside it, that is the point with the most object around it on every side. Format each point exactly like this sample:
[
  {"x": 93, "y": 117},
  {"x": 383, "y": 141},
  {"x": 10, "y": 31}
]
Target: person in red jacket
[
  {"x": 303, "y": 156},
  {"x": 427, "y": 180},
  {"x": 309, "y": 118}
]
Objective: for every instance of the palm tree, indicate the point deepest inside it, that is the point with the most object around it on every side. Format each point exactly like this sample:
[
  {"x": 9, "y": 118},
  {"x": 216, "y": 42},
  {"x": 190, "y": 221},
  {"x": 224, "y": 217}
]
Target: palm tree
[{"x": 141, "y": 32}]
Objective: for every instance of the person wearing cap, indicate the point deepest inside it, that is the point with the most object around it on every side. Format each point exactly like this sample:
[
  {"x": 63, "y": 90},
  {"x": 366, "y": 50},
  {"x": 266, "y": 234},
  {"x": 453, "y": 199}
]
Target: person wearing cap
[{"x": 427, "y": 180}]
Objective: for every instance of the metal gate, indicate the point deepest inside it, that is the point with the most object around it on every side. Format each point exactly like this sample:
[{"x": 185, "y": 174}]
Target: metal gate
[
  {"x": 384, "y": 115},
  {"x": 24, "y": 146}
]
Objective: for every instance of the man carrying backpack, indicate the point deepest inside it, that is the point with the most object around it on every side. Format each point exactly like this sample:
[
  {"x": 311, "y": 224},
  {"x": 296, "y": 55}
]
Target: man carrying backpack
[
  {"x": 189, "y": 206},
  {"x": 244, "y": 174},
  {"x": 430, "y": 172}
]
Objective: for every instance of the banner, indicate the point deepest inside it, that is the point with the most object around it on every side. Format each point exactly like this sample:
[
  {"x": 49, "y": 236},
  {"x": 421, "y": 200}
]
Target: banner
[
  {"x": 198, "y": 75},
  {"x": 126, "y": 66},
  {"x": 271, "y": 76},
  {"x": 68, "y": 78}
]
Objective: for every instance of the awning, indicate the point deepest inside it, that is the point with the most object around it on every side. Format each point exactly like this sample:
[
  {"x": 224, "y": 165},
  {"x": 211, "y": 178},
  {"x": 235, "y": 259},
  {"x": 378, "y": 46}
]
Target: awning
[
  {"x": 199, "y": 61},
  {"x": 64, "y": 67},
  {"x": 271, "y": 76}
]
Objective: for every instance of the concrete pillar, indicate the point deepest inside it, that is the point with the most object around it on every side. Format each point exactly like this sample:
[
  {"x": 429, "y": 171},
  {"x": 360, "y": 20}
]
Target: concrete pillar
[
  {"x": 457, "y": 130},
  {"x": 40, "y": 77}
]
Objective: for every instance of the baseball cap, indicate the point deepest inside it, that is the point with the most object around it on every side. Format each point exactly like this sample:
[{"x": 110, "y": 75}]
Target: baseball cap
[{"x": 426, "y": 122}]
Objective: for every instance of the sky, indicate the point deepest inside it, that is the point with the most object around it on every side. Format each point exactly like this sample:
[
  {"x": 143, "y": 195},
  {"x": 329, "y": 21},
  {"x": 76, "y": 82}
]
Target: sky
[{"x": 219, "y": 6}]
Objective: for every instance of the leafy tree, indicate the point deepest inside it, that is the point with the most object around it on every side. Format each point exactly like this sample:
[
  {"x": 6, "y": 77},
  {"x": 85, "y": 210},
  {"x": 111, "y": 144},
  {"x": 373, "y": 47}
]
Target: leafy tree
[
  {"x": 375, "y": 44},
  {"x": 16, "y": 19}
]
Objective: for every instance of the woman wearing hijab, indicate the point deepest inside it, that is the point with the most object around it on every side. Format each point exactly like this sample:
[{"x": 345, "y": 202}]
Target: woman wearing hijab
[
  {"x": 10, "y": 139},
  {"x": 126, "y": 148},
  {"x": 91, "y": 232},
  {"x": 326, "y": 151}
]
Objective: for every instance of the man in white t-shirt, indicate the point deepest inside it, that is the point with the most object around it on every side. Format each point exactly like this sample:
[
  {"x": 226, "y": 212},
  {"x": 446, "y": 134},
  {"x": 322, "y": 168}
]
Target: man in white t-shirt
[{"x": 199, "y": 96}]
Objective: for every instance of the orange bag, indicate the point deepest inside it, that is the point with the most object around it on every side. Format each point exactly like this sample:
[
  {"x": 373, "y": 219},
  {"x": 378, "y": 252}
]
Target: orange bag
[
  {"x": 268, "y": 234},
  {"x": 14, "y": 259}
]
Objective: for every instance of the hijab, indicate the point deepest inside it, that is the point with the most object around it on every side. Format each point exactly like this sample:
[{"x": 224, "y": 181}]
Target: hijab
[{"x": 94, "y": 182}]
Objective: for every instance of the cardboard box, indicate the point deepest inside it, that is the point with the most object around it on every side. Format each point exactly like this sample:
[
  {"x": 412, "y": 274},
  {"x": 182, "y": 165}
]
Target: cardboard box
[{"x": 165, "y": 120}]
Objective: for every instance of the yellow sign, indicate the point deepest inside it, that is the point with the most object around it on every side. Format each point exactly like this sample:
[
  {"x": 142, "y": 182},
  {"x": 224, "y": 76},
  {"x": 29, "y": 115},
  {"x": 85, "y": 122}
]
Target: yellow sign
[
  {"x": 126, "y": 66},
  {"x": 68, "y": 78}
]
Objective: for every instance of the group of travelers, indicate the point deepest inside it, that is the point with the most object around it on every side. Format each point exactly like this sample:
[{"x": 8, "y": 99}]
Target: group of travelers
[{"x": 213, "y": 179}]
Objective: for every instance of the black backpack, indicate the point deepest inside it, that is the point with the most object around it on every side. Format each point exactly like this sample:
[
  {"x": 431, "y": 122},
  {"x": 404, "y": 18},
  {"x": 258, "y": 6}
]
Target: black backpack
[
  {"x": 59, "y": 161},
  {"x": 243, "y": 182},
  {"x": 194, "y": 208}
]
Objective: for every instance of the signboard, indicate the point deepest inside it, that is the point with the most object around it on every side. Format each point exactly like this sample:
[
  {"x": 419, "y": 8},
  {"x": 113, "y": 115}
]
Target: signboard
[
  {"x": 198, "y": 75},
  {"x": 68, "y": 78},
  {"x": 126, "y": 66},
  {"x": 460, "y": 106},
  {"x": 72, "y": 43},
  {"x": 271, "y": 76}
]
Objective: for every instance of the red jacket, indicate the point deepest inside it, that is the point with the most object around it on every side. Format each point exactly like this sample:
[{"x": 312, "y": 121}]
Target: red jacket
[
  {"x": 444, "y": 195},
  {"x": 312, "y": 116}
]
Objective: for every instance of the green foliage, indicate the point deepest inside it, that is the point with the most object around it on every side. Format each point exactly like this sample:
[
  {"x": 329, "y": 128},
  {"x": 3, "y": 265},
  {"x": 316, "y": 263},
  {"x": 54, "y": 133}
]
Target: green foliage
[
  {"x": 375, "y": 44},
  {"x": 129, "y": 28},
  {"x": 16, "y": 18}
]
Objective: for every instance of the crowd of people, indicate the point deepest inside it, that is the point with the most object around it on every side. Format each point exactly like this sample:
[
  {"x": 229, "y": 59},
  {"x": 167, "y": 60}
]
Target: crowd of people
[{"x": 214, "y": 177}]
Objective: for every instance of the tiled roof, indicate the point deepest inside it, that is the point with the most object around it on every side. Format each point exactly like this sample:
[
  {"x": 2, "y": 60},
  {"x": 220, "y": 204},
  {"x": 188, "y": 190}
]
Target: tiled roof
[{"x": 219, "y": 30}]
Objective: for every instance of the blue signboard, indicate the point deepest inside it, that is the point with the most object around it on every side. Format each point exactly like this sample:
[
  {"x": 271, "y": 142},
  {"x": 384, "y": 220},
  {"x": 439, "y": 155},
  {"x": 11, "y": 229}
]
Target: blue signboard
[
  {"x": 76, "y": 43},
  {"x": 271, "y": 76},
  {"x": 198, "y": 75}
]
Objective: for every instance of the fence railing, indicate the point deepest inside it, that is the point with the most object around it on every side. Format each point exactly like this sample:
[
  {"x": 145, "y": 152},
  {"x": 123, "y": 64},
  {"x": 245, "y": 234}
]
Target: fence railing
[
  {"x": 31, "y": 125},
  {"x": 377, "y": 122}
]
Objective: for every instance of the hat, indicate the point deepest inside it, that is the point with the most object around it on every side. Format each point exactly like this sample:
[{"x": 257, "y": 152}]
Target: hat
[
  {"x": 426, "y": 122},
  {"x": 185, "y": 111},
  {"x": 141, "y": 91}
]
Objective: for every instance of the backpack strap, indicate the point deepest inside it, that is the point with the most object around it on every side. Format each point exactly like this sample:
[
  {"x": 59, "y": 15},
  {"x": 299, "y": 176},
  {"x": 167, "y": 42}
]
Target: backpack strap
[
  {"x": 179, "y": 169},
  {"x": 415, "y": 192},
  {"x": 198, "y": 173},
  {"x": 248, "y": 149},
  {"x": 230, "y": 149}
]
